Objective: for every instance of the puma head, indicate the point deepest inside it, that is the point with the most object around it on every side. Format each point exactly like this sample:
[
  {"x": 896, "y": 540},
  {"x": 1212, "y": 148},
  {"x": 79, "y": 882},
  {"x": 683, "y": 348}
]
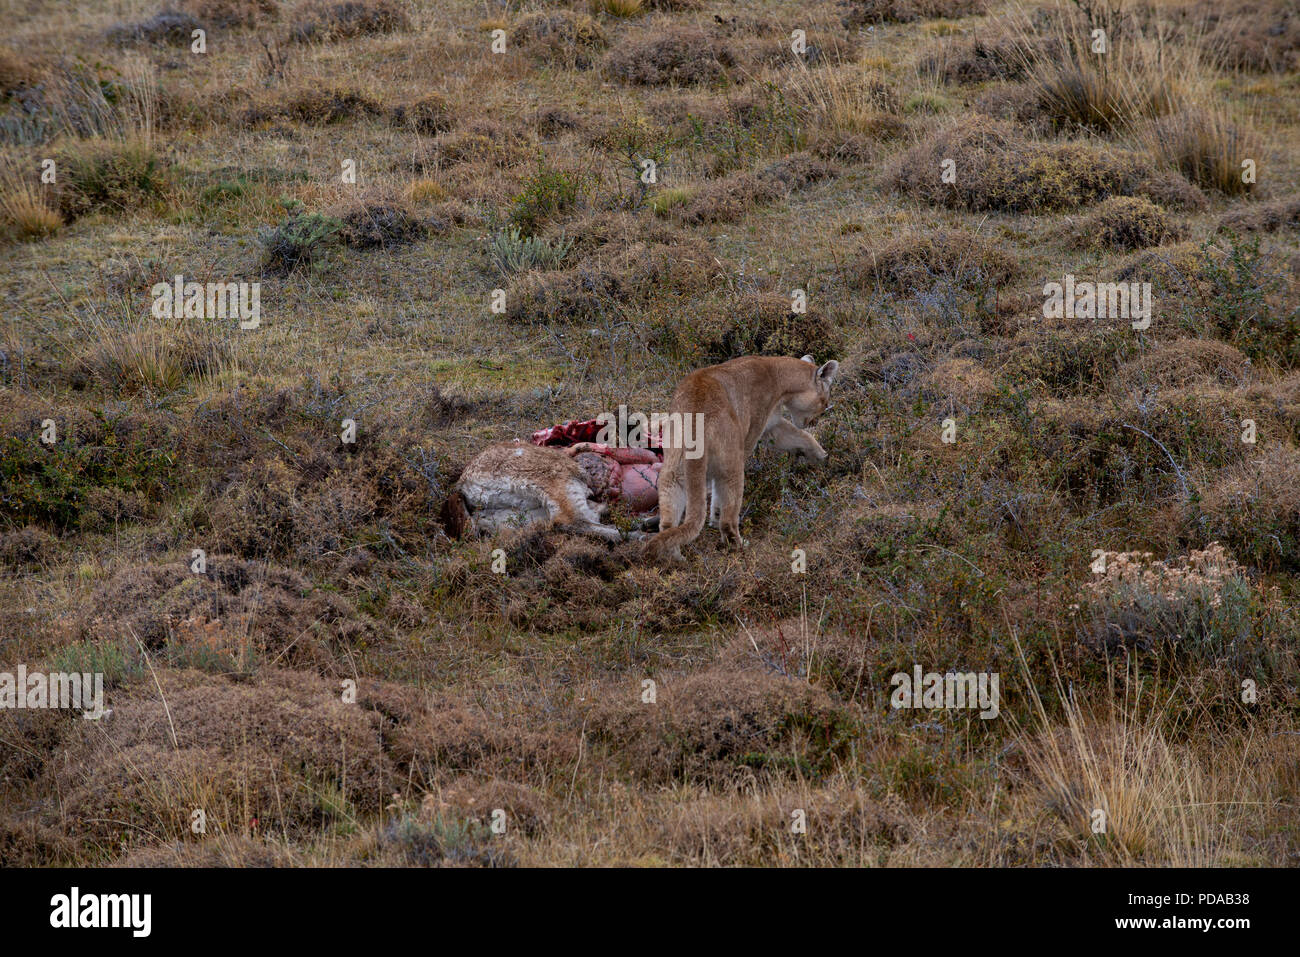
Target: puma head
[{"x": 808, "y": 406}]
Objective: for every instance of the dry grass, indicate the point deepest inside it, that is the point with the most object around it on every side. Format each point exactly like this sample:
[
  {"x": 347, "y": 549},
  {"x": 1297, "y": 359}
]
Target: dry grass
[
  {"x": 980, "y": 454},
  {"x": 25, "y": 212}
]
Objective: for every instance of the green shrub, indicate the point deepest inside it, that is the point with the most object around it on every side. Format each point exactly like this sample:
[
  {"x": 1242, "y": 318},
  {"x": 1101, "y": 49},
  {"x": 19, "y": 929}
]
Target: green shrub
[
  {"x": 300, "y": 238},
  {"x": 547, "y": 193},
  {"x": 512, "y": 252}
]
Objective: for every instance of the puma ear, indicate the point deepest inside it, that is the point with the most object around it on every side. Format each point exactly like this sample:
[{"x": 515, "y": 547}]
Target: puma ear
[
  {"x": 810, "y": 360},
  {"x": 827, "y": 372}
]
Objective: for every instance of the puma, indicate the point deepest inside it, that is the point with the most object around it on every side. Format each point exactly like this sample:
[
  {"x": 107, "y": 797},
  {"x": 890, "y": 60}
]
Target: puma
[{"x": 741, "y": 401}]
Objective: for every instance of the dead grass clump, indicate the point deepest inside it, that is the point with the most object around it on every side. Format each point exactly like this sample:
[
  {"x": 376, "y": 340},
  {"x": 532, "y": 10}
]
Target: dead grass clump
[
  {"x": 167, "y": 26},
  {"x": 993, "y": 168},
  {"x": 283, "y": 753},
  {"x": 30, "y": 737},
  {"x": 717, "y": 724},
  {"x": 489, "y": 142},
  {"x": 27, "y": 545},
  {"x": 27, "y": 843},
  {"x": 314, "y": 105},
  {"x": 1258, "y": 35},
  {"x": 234, "y": 615},
  {"x": 847, "y": 100},
  {"x": 978, "y": 60},
  {"x": 380, "y": 225},
  {"x": 473, "y": 799},
  {"x": 1184, "y": 362},
  {"x": 1160, "y": 801},
  {"x": 861, "y": 13},
  {"x": 1127, "y": 222},
  {"x": 624, "y": 276},
  {"x": 917, "y": 261},
  {"x": 131, "y": 356},
  {"x": 960, "y": 383},
  {"x": 764, "y": 324},
  {"x": 844, "y": 828},
  {"x": 233, "y": 13},
  {"x": 729, "y": 199},
  {"x": 1254, "y": 507},
  {"x": 1267, "y": 217},
  {"x": 663, "y": 54},
  {"x": 454, "y": 739},
  {"x": 429, "y": 115},
  {"x": 327, "y": 21},
  {"x": 224, "y": 850},
  {"x": 561, "y": 37}
]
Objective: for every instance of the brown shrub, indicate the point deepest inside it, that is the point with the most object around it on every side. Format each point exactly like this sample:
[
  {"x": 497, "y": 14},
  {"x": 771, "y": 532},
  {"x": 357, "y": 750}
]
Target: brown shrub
[
  {"x": 916, "y": 261},
  {"x": 979, "y": 60},
  {"x": 762, "y": 324},
  {"x": 27, "y": 843},
  {"x": 1268, "y": 217},
  {"x": 1127, "y": 222},
  {"x": 232, "y": 13},
  {"x": 1254, "y": 508},
  {"x": 995, "y": 169},
  {"x": 1260, "y": 35},
  {"x": 28, "y": 545},
  {"x": 281, "y": 753},
  {"x": 167, "y": 26},
  {"x": 30, "y": 737},
  {"x": 479, "y": 141},
  {"x": 314, "y": 105},
  {"x": 562, "y": 37},
  {"x": 730, "y": 198},
  {"x": 663, "y": 54},
  {"x": 456, "y": 739},
  {"x": 626, "y": 275},
  {"x": 325, "y": 500},
  {"x": 1016, "y": 103},
  {"x": 962, "y": 383},
  {"x": 326, "y": 20},
  {"x": 380, "y": 224},
  {"x": 235, "y": 613},
  {"x": 471, "y": 798},
  {"x": 857, "y": 147},
  {"x": 1184, "y": 362},
  {"x": 430, "y": 115},
  {"x": 709, "y": 725},
  {"x": 731, "y": 831},
  {"x": 860, "y": 13}
]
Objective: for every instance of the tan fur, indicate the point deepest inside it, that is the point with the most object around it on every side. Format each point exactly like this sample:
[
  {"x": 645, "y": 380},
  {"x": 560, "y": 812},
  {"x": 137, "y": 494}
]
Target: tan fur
[
  {"x": 740, "y": 400},
  {"x": 516, "y": 485}
]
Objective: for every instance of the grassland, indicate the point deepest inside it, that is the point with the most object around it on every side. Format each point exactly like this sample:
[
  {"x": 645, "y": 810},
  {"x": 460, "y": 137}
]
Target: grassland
[{"x": 1113, "y": 529}]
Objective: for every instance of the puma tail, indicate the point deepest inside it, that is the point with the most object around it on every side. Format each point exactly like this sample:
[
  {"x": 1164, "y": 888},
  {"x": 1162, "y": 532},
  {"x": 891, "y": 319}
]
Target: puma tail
[{"x": 668, "y": 543}]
